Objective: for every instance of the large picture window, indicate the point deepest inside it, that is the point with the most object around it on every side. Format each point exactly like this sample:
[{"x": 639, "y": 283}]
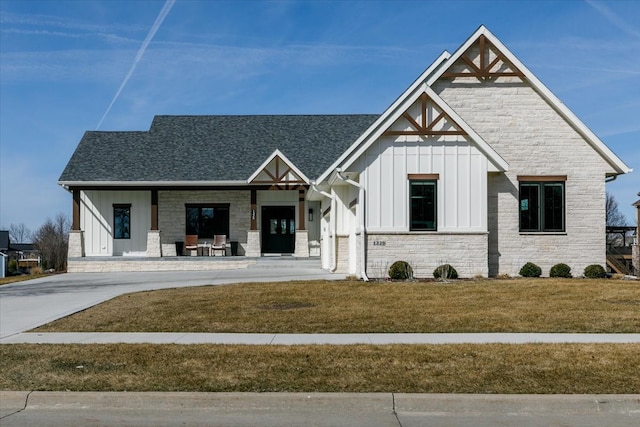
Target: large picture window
[
  {"x": 423, "y": 210},
  {"x": 207, "y": 220},
  {"x": 542, "y": 205},
  {"x": 121, "y": 221}
]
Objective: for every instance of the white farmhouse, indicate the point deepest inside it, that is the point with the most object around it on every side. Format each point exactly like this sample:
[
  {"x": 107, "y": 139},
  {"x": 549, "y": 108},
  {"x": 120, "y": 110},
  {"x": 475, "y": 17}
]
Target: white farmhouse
[{"x": 477, "y": 164}]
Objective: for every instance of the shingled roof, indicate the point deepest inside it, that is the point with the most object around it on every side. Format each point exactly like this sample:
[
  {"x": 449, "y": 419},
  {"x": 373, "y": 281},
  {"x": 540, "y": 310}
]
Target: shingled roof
[{"x": 212, "y": 148}]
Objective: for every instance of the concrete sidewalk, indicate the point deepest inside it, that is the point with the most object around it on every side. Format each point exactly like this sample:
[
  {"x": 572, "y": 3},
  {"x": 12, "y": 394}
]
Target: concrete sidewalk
[
  {"x": 314, "y": 409},
  {"x": 310, "y": 339}
]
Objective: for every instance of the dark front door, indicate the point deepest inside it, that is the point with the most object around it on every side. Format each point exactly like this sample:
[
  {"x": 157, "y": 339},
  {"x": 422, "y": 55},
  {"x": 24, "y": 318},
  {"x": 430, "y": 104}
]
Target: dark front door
[{"x": 278, "y": 229}]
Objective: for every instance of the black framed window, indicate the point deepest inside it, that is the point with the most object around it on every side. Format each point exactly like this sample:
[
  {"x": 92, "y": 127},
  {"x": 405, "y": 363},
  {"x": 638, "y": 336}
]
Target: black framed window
[
  {"x": 207, "y": 220},
  {"x": 121, "y": 221},
  {"x": 542, "y": 206},
  {"x": 423, "y": 206}
]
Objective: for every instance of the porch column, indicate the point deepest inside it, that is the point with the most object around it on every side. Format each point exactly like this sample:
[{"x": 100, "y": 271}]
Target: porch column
[
  {"x": 302, "y": 236},
  {"x": 76, "y": 236},
  {"x": 154, "y": 209},
  {"x": 253, "y": 234},
  {"x": 154, "y": 245}
]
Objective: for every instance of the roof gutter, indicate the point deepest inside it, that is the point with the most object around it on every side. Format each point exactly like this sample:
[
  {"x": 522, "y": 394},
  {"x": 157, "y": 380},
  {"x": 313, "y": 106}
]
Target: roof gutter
[
  {"x": 363, "y": 237},
  {"x": 69, "y": 184},
  {"x": 332, "y": 225}
]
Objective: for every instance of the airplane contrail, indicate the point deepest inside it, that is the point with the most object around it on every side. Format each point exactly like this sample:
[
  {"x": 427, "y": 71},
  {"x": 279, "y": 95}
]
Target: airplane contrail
[{"x": 156, "y": 25}]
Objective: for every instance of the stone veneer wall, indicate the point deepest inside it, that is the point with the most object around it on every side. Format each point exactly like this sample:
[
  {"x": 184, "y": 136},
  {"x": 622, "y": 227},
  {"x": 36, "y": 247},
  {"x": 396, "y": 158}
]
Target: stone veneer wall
[
  {"x": 467, "y": 253},
  {"x": 121, "y": 264},
  {"x": 530, "y": 135},
  {"x": 172, "y": 215},
  {"x": 342, "y": 255}
]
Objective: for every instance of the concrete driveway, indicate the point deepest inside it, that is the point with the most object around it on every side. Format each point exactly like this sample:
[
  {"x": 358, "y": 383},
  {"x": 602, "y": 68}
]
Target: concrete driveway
[{"x": 29, "y": 304}]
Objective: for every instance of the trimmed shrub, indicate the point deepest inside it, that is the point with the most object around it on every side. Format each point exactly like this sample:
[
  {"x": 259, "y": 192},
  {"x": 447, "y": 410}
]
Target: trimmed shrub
[
  {"x": 594, "y": 271},
  {"x": 13, "y": 266},
  {"x": 530, "y": 270},
  {"x": 445, "y": 271},
  {"x": 400, "y": 270},
  {"x": 560, "y": 270}
]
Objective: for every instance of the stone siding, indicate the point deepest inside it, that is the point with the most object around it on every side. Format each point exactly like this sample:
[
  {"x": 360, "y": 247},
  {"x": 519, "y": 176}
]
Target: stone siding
[
  {"x": 534, "y": 140},
  {"x": 111, "y": 264},
  {"x": 342, "y": 255},
  {"x": 467, "y": 253},
  {"x": 172, "y": 215}
]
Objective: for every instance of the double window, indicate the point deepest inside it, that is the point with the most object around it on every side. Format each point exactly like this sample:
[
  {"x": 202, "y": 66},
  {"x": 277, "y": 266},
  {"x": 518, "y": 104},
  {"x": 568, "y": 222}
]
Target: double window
[
  {"x": 423, "y": 192},
  {"x": 122, "y": 221},
  {"x": 542, "y": 204},
  {"x": 207, "y": 220}
]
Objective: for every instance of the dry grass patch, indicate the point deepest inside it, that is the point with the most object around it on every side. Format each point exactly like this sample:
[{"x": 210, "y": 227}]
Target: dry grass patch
[
  {"x": 14, "y": 279},
  {"x": 599, "y": 369},
  {"x": 519, "y": 305}
]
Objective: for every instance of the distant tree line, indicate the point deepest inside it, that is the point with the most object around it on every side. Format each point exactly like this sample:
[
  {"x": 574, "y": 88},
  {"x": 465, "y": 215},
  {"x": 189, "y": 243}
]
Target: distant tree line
[{"x": 51, "y": 240}]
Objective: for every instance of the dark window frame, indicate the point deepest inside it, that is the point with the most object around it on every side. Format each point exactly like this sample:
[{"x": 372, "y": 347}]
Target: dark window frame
[
  {"x": 430, "y": 180},
  {"x": 206, "y": 227},
  {"x": 122, "y": 229},
  {"x": 543, "y": 214}
]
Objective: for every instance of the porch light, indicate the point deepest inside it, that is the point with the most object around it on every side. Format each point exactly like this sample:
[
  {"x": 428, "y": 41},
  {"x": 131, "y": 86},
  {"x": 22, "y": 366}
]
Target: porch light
[{"x": 310, "y": 214}]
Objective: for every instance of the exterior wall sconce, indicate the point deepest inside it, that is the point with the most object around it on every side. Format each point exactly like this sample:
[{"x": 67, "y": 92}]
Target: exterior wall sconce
[{"x": 310, "y": 214}]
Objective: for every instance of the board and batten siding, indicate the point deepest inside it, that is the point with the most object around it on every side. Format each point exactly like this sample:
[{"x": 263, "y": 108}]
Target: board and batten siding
[
  {"x": 96, "y": 220},
  {"x": 461, "y": 187}
]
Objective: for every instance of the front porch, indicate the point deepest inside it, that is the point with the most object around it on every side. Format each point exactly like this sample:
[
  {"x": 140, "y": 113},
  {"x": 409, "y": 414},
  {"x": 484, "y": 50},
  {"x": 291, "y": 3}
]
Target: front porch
[{"x": 184, "y": 263}]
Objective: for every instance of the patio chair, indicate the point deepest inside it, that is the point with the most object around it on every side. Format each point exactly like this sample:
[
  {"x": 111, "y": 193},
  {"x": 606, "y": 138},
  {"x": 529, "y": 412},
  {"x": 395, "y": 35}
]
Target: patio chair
[
  {"x": 219, "y": 244},
  {"x": 191, "y": 243}
]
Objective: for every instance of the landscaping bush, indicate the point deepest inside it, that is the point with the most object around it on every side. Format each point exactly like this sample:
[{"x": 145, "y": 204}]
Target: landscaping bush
[
  {"x": 560, "y": 270},
  {"x": 400, "y": 270},
  {"x": 445, "y": 271},
  {"x": 594, "y": 271},
  {"x": 530, "y": 270},
  {"x": 13, "y": 266}
]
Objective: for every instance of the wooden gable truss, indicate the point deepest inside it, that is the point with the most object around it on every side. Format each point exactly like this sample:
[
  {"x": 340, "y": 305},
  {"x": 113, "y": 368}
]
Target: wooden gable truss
[
  {"x": 483, "y": 61},
  {"x": 279, "y": 174},
  {"x": 430, "y": 121}
]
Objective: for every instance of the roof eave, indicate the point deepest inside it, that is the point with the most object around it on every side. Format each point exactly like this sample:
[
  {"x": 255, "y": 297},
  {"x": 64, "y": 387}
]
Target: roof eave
[
  {"x": 69, "y": 184},
  {"x": 383, "y": 117}
]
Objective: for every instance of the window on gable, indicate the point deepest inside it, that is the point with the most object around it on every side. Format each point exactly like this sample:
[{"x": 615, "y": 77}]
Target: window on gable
[
  {"x": 207, "y": 220},
  {"x": 423, "y": 206},
  {"x": 121, "y": 221},
  {"x": 542, "y": 204}
]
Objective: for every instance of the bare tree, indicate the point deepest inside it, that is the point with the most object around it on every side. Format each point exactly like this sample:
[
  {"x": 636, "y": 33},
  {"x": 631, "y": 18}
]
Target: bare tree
[
  {"x": 19, "y": 233},
  {"x": 614, "y": 216},
  {"x": 52, "y": 241}
]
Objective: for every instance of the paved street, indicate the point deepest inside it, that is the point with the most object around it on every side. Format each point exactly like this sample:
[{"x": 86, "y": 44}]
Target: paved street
[{"x": 57, "y": 409}]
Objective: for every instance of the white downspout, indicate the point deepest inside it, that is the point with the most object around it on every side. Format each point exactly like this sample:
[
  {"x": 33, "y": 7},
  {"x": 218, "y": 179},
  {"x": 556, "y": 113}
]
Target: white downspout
[
  {"x": 363, "y": 236},
  {"x": 332, "y": 225}
]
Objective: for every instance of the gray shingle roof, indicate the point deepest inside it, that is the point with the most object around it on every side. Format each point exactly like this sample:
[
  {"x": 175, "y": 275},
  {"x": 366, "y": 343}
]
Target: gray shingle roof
[{"x": 213, "y": 148}]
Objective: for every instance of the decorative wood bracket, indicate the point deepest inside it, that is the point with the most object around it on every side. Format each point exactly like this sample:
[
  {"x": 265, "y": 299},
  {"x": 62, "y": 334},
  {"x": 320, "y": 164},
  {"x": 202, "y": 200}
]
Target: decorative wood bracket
[
  {"x": 280, "y": 174},
  {"x": 483, "y": 70},
  {"x": 426, "y": 128}
]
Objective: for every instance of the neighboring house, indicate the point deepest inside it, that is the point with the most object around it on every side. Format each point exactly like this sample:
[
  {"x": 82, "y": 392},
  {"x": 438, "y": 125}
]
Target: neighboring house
[
  {"x": 476, "y": 164},
  {"x": 25, "y": 255},
  {"x": 4, "y": 257}
]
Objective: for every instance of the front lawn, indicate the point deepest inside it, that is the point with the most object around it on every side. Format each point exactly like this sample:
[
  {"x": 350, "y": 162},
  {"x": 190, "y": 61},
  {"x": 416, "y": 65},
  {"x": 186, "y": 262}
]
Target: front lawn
[{"x": 516, "y": 305}]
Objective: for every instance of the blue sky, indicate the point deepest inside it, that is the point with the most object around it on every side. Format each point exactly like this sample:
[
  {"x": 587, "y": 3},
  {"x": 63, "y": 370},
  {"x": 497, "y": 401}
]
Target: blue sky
[{"x": 63, "y": 63}]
